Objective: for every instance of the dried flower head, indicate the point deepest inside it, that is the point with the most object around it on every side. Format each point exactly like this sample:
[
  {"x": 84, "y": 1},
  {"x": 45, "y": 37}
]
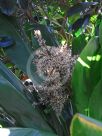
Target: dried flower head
[{"x": 54, "y": 66}]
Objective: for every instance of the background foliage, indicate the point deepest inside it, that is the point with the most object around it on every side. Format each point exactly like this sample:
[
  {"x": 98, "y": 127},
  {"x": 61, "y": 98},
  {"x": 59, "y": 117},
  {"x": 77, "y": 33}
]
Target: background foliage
[{"x": 73, "y": 22}]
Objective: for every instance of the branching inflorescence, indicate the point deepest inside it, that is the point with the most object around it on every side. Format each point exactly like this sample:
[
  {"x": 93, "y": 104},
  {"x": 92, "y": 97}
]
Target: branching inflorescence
[{"x": 54, "y": 65}]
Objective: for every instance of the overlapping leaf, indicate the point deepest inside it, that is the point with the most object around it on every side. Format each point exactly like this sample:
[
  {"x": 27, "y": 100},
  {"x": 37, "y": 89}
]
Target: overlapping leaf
[
  {"x": 80, "y": 23},
  {"x": 80, "y": 7},
  {"x": 6, "y": 41},
  {"x": 21, "y": 50},
  {"x": 78, "y": 44},
  {"x": 16, "y": 104},
  {"x": 24, "y": 132},
  {"x": 84, "y": 77},
  {"x": 85, "y": 126}
]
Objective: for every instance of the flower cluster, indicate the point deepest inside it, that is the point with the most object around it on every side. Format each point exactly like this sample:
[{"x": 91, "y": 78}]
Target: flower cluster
[{"x": 54, "y": 67}]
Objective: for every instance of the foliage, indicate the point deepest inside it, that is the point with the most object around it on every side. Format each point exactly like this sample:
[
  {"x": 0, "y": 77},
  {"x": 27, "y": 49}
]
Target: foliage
[
  {"x": 23, "y": 132},
  {"x": 88, "y": 126},
  {"x": 75, "y": 23}
]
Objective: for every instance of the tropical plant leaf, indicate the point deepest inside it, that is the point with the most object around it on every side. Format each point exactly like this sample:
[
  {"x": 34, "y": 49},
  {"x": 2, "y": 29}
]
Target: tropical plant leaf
[
  {"x": 24, "y": 132},
  {"x": 22, "y": 45},
  {"x": 6, "y": 41},
  {"x": 21, "y": 50},
  {"x": 80, "y": 23},
  {"x": 5, "y": 123},
  {"x": 16, "y": 104},
  {"x": 100, "y": 34},
  {"x": 78, "y": 44},
  {"x": 83, "y": 81},
  {"x": 80, "y": 7},
  {"x": 85, "y": 126},
  {"x": 96, "y": 102},
  {"x": 15, "y": 82}
]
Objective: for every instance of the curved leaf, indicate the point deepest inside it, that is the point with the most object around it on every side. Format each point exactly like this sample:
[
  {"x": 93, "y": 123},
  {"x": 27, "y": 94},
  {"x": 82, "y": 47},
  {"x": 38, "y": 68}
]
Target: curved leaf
[
  {"x": 21, "y": 50},
  {"x": 80, "y": 7},
  {"x": 15, "y": 103},
  {"x": 83, "y": 76},
  {"x": 85, "y": 126},
  {"x": 78, "y": 44},
  {"x": 95, "y": 104},
  {"x": 6, "y": 41},
  {"x": 100, "y": 34},
  {"x": 24, "y": 132},
  {"x": 81, "y": 22},
  {"x": 4, "y": 71}
]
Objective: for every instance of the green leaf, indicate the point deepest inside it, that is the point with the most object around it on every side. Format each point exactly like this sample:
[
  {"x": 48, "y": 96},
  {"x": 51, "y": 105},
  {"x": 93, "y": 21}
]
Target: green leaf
[
  {"x": 83, "y": 77},
  {"x": 5, "y": 72},
  {"x": 100, "y": 34},
  {"x": 5, "y": 123},
  {"x": 15, "y": 103},
  {"x": 78, "y": 44},
  {"x": 96, "y": 97},
  {"x": 95, "y": 104},
  {"x": 24, "y": 132},
  {"x": 21, "y": 50},
  {"x": 85, "y": 126}
]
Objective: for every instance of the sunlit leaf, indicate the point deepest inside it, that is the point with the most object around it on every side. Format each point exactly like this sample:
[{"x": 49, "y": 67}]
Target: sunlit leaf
[
  {"x": 84, "y": 78},
  {"x": 88, "y": 126}
]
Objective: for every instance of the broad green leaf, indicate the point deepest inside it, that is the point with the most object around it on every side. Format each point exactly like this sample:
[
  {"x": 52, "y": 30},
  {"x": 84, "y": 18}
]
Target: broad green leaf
[
  {"x": 24, "y": 132},
  {"x": 19, "y": 107},
  {"x": 85, "y": 126},
  {"x": 82, "y": 79},
  {"x": 5, "y": 72},
  {"x": 21, "y": 50},
  {"x": 78, "y": 44},
  {"x": 95, "y": 104},
  {"x": 100, "y": 34},
  {"x": 5, "y": 123}
]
